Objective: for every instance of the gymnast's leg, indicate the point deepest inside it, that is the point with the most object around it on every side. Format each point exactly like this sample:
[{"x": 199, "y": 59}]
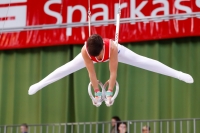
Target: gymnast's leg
[
  {"x": 128, "y": 57},
  {"x": 76, "y": 64}
]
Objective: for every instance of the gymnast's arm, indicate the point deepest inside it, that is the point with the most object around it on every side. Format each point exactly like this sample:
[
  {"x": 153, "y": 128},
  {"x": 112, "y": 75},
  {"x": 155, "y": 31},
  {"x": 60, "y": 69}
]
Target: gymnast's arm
[
  {"x": 90, "y": 68},
  {"x": 113, "y": 65}
]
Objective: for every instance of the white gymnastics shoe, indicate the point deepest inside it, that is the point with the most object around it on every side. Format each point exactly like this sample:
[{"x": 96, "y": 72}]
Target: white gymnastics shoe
[
  {"x": 98, "y": 99},
  {"x": 185, "y": 77},
  {"x": 108, "y": 99},
  {"x": 34, "y": 88}
]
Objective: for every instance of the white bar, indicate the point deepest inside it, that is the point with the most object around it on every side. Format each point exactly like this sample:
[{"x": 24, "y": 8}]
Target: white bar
[
  {"x": 65, "y": 128},
  {"x": 17, "y": 129},
  {"x": 77, "y": 128},
  {"x": 79, "y": 24},
  {"x": 117, "y": 29},
  {"x": 5, "y": 129},
  {"x": 135, "y": 127},
  {"x": 181, "y": 126},
  {"x": 128, "y": 127},
  {"x": 194, "y": 122},
  {"x": 35, "y": 129},
  {"x": 47, "y": 129},
  {"x": 90, "y": 128},
  {"x": 59, "y": 129},
  {"x": 12, "y": 1},
  {"x": 103, "y": 127},
  {"x": 160, "y": 127},
  {"x": 174, "y": 127},
  {"x": 109, "y": 127},
  {"x": 84, "y": 128},
  {"x": 116, "y": 128},
  {"x": 72, "y": 128},
  {"x": 167, "y": 127},
  {"x": 148, "y": 124},
  {"x": 96, "y": 128},
  {"x": 89, "y": 25}
]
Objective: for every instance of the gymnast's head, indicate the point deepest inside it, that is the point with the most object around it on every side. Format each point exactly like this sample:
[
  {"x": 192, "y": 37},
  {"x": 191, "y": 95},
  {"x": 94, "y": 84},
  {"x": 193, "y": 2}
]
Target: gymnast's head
[{"x": 94, "y": 45}]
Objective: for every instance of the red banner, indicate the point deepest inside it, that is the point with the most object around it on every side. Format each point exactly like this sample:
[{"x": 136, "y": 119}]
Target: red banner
[{"x": 22, "y": 13}]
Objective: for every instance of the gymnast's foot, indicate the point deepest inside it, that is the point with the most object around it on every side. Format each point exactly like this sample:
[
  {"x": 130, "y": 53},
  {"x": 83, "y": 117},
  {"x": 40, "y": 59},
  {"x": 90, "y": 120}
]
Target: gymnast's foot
[
  {"x": 34, "y": 88},
  {"x": 185, "y": 77},
  {"x": 108, "y": 99},
  {"x": 98, "y": 99}
]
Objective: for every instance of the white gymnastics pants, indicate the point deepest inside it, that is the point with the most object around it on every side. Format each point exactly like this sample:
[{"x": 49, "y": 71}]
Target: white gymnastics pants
[{"x": 125, "y": 56}]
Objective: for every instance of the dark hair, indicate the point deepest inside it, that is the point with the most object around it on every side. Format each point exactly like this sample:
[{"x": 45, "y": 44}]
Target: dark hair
[
  {"x": 24, "y": 125},
  {"x": 94, "y": 45},
  {"x": 147, "y": 127},
  {"x": 116, "y": 118}
]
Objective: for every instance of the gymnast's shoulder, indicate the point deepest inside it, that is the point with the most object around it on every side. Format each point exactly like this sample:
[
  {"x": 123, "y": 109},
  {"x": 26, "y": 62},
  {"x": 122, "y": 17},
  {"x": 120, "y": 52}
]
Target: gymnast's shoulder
[
  {"x": 83, "y": 51},
  {"x": 113, "y": 48}
]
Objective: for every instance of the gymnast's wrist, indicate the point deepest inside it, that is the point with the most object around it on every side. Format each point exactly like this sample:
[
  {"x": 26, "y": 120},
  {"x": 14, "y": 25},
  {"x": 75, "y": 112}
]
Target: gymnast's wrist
[
  {"x": 96, "y": 90},
  {"x": 110, "y": 89}
]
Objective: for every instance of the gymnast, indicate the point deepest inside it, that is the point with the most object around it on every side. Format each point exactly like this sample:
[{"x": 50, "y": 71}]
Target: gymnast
[{"x": 98, "y": 49}]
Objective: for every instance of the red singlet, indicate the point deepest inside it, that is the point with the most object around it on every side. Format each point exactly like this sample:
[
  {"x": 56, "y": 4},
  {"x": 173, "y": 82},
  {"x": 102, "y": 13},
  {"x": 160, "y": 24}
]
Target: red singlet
[{"x": 106, "y": 55}]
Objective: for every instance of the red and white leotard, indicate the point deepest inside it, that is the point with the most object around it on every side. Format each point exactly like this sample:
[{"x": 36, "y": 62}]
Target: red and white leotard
[{"x": 106, "y": 55}]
